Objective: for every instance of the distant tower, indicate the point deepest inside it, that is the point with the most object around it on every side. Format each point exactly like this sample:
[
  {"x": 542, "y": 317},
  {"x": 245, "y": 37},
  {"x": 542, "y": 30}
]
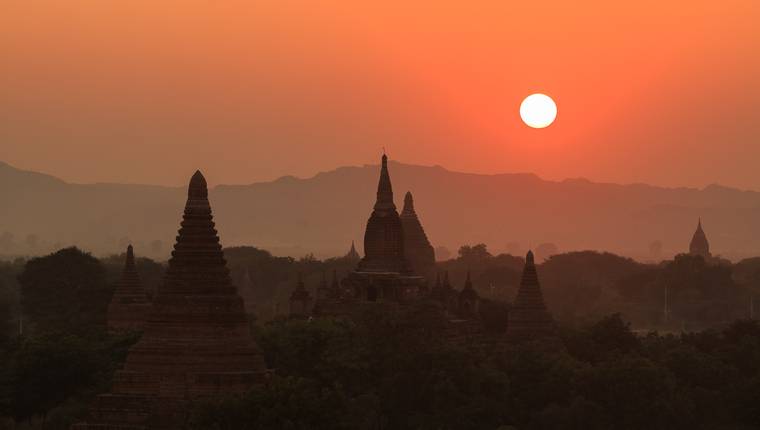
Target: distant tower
[
  {"x": 417, "y": 249},
  {"x": 384, "y": 238},
  {"x": 469, "y": 300},
  {"x": 352, "y": 254},
  {"x": 300, "y": 300},
  {"x": 699, "y": 244},
  {"x": 129, "y": 305},
  {"x": 528, "y": 317}
]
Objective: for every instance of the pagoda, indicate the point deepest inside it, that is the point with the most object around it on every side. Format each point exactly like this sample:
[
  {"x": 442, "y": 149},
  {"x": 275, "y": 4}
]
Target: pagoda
[
  {"x": 197, "y": 342},
  {"x": 699, "y": 244},
  {"x": 528, "y": 318},
  {"x": 468, "y": 301},
  {"x": 417, "y": 248},
  {"x": 352, "y": 254},
  {"x": 384, "y": 273},
  {"x": 129, "y": 305}
]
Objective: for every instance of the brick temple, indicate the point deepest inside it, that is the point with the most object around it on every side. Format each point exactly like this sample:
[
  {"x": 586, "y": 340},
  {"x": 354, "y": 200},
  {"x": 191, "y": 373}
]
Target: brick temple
[
  {"x": 129, "y": 305},
  {"x": 384, "y": 274},
  {"x": 417, "y": 248},
  {"x": 528, "y": 318},
  {"x": 197, "y": 341}
]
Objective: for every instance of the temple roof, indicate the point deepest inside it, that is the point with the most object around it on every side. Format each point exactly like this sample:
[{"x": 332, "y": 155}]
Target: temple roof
[
  {"x": 352, "y": 254},
  {"x": 384, "y": 188},
  {"x": 699, "y": 244},
  {"x": 384, "y": 235},
  {"x": 468, "y": 292},
  {"x": 417, "y": 248}
]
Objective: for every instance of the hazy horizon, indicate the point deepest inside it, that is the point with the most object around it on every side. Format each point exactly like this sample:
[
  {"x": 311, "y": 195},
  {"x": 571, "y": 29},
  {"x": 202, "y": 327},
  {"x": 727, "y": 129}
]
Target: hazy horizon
[{"x": 212, "y": 183}]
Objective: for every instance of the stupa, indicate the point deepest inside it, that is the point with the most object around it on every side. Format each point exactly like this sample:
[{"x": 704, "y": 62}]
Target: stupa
[
  {"x": 528, "y": 318},
  {"x": 699, "y": 244},
  {"x": 468, "y": 302},
  {"x": 196, "y": 343},
  {"x": 129, "y": 305},
  {"x": 417, "y": 248},
  {"x": 352, "y": 254}
]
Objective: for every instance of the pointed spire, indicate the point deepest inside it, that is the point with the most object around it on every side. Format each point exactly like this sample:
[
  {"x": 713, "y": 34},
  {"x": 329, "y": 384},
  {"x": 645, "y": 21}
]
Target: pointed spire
[
  {"x": 198, "y": 189},
  {"x": 699, "y": 244},
  {"x": 529, "y": 316},
  {"x": 129, "y": 303},
  {"x": 384, "y": 188},
  {"x": 408, "y": 204},
  {"x": 352, "y": 254}
]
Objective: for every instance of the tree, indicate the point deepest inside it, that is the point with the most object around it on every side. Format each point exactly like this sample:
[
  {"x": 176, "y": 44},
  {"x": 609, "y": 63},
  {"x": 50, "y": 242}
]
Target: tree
[
  {"x": 65, "y": 292},
  {"x": 46, "y": 371}
]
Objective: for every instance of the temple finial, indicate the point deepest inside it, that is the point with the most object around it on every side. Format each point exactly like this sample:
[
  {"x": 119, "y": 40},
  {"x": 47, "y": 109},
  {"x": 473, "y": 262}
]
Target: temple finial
[
  {"x": 384, "y": 188},
  {"x": 198, "y": 188},
  {"x": 529, "y": 258}
]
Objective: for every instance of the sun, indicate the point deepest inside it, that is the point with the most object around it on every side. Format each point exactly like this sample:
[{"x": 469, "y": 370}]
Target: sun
[{"x": 538, "y": 111}]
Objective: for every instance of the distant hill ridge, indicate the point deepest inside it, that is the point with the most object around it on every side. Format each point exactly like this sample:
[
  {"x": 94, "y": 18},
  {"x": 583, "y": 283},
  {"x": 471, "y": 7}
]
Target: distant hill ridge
[{"x": 323, "y": 213}]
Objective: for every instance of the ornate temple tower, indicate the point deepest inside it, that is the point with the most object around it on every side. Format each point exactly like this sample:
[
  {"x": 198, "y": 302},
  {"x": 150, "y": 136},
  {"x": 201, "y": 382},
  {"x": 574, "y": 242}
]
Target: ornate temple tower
[
  {"x": 468, "y": 300},
  {"x": 699, "y": 244},
  {"x": 129, "y": 305},
  {"x": 417, "y": 249},
  {"x": 528, "y": 317},
  {"x": 197, "y": 341},
  {"x": 300, "y": 299},
  {"x": 384, "y": 237},
  {"x": 384, "y": 274}
]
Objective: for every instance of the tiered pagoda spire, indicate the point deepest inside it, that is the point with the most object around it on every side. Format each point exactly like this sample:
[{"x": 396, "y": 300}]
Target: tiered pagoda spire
[
  {"x": 197, "y": 341},
  {"x": 699, "y": 244},
  {"x": 469, "y": 299},
  {"x": 528, "y": 317},
  {"x": 352, "y": 254},
  {"x": 384, "y": 238},
  {"x": 129, "y": 305},
  {"x": 417, "y": 248}
]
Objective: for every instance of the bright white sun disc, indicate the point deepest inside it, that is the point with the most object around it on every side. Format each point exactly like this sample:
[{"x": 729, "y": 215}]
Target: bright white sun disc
[{"x": 538, "y": 110}]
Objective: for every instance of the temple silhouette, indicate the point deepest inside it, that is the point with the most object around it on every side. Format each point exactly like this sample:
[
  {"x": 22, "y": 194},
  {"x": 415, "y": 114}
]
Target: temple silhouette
[
  {"x": 699, "y": 244},
  {"x": 384, "y": 273},
  {"x": 528, "y": 317},
  {"x": 197, "y": 341},
  {"x": 129, "y": 305}
]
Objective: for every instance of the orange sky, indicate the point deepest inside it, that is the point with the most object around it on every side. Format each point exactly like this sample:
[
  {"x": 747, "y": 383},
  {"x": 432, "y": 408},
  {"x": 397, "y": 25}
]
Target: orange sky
[{"x": 663, "y": 92}]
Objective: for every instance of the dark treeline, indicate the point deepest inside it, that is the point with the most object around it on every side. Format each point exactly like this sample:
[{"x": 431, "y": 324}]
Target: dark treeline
[
  {"x": 400, "y": 369},
  {"x": 397, "y": 370}
]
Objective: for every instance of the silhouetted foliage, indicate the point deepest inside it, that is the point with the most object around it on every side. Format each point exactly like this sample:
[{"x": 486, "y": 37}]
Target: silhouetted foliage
[{"x": 65, "y": 291}]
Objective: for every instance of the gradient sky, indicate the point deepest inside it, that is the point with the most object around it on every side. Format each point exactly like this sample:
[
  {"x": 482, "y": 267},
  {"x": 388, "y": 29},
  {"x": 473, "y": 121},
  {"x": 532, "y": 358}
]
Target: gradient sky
[{"x": 146, "y": 91}]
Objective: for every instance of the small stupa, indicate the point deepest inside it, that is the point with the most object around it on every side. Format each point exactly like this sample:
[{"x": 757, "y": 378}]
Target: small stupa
[{"x": 129, "y": 305}]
